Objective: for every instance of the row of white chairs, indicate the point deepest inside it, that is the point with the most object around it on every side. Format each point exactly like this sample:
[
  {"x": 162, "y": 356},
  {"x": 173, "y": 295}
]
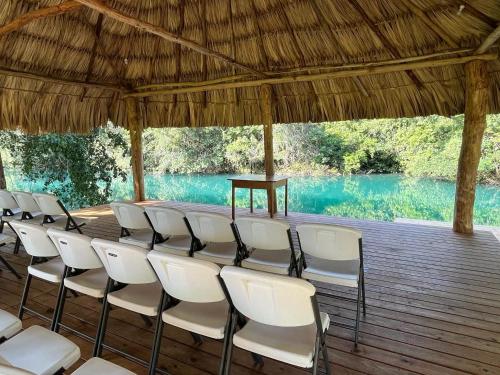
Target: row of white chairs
[
  {"x": 276, "y": 316},
  {"x": 38, "y": 351},
  {"x": 335, "y": 253}
]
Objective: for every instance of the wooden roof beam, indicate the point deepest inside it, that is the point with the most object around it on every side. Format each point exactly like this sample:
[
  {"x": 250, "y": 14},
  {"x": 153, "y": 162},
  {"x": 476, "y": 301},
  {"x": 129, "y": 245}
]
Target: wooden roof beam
[
  {"x": 37, "y": 14},
  {"x": 490, "y": 40},
  {"x": 90, "y": 68},
  {"x": 386, "y": 42},
  {"x": 101, "y": 7},
  {"x": 417, "y": 11},
  {"x": 366, "y": 70}
]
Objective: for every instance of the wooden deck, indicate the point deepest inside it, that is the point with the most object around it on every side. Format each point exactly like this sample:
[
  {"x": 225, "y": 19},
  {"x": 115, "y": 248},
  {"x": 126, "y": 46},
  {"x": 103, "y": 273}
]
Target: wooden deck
[{"x": 433, "y": 306}]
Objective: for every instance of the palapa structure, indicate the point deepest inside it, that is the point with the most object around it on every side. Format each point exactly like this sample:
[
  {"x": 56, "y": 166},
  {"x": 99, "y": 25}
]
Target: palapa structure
[{"x": 70, "y": 66}]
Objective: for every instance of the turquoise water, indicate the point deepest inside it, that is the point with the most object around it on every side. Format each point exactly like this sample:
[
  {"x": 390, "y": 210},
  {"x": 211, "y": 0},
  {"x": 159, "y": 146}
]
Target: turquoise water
[{"x": 378, "y": 197}]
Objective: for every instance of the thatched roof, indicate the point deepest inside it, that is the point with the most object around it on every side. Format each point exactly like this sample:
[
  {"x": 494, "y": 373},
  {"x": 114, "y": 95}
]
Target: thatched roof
[{"x": 250, "y": 39}]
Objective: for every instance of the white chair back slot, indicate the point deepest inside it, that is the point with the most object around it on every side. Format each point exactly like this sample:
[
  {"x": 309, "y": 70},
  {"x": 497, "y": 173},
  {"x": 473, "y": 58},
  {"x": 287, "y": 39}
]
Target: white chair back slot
[
  {"x": 130, "y": 215},
  {"x": 75, "y": 249},
  {"x": 167, "y": 221},
  {"x": 25, "y": 201},
  {"x": 7, "y": 201},
  {"x": 35, "y": 239},
  {"x": 265, "y": 234},
  {"x": 270, "y": 299},
  {"x": 124, "y": 263},
  {"x": 332, "y": 242},
  {"x": 187, "y": 279},
  {"x": 48, "y": 204},
  {"x": 210, "y": 227}
]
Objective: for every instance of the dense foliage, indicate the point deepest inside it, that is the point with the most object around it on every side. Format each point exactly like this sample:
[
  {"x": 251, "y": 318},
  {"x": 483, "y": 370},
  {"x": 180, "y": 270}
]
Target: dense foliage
[{"x": 78, "y": 168}]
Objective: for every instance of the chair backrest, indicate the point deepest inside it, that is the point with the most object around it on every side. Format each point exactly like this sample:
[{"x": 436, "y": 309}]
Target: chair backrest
[
  {"x": 25, "y": 201},
  {"x": 270, "y": 299},
  {"x": 125, "y": 263},
  {"x": 210, "y": 227},
  {"x": 35, "y": 239},
  {"x": 130, "y": 215},
  {"x": 75, "y": 249},
  {"x": 332, "y": 242},
  {"x": 167, "y": 221},
  {"x": 187, "y": 279},
  {"x": 48, "y": 203},
  {"x": 7, "y": 201},
  {"x": 265, "y": 234}
]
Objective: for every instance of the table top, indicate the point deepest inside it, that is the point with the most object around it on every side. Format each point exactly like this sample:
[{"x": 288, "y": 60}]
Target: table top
[{"x": 258, "y": 177}]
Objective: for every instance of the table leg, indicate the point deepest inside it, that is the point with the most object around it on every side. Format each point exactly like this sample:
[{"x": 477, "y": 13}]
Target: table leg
[
  {"x": 286, "y": 199},
  {"x": 251, "y": 200},
  {"x": 232, "y": 200},
  {"x": 270, "y": 203},
  {"x": 275, "y": 201}
]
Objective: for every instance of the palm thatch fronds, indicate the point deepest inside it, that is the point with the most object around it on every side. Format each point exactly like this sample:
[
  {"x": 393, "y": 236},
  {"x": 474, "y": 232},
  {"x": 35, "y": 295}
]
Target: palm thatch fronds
[{"x": 71, "y": 69}]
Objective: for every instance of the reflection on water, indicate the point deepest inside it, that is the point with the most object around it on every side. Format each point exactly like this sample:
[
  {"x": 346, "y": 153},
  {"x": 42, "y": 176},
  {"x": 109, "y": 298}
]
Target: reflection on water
[{"x": 379, "y": 197}]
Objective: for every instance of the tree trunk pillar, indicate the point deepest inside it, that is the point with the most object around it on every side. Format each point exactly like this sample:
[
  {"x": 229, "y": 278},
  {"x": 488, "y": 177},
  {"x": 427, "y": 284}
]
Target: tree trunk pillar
[
  {"x": 137, "y": 161},
  {"x": 267, "y": 120},
  {"x": 476, "y": 108},
  {"x": 3, "y": 182}
]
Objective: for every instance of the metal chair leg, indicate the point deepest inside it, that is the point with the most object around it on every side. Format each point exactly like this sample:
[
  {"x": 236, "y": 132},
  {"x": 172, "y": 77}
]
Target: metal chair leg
[
  {"x": 25, "y": 296},
  {"x": 101, "y": 331},
  {"x": 326, "y": 361},
  {"x": 17, "y": 245},
  {"x": 157, "y": 336},
  {"x": 358, "y": 308},
  {"x": 61, "y": 299},
  {"x": 363, "y": 290},
  {"x": 229, "y": 354},
  {"x": 227, "y": 330},
  {"x": 316, "y": 354},
  {"x": 9, "y": 267}
]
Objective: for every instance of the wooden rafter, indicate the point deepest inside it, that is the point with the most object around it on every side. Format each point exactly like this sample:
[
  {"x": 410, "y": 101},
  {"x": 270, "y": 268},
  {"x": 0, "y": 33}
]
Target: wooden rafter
[
  {"x": 417, "y": 11},
  {"x": 490, "y": 40},
  {"x": 204, "y": 68},
  {"x": 333, "y": 34},
  {"x": 58, "y": 81},
  {"x": 366, "y": 70},
  {"x": 37, "y": 14},
  {"x": 178, "y": 49},
  {"x": 233, "y": 43},
  {"x": 101, "y": 7},
  {"x": 260, "y": 39},
  {"x": 385, "y": 42},
  {"x": 97, "y": 35}
]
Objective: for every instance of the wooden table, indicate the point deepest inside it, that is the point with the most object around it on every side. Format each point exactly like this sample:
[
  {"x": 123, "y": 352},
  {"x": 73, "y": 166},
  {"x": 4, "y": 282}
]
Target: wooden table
[{"x": 268, "y": 183}]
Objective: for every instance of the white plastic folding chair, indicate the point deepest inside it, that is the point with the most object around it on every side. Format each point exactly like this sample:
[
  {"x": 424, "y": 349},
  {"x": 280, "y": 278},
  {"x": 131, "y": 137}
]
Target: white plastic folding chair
[
  {"x": 9, "y": 325},
  {"x": 213, "y": 238},
  {"x": 55, "y": 214},
  {"x": 37, "y": 351},
  {"x": 135, "y": 228},
  {"x": 45, "y": 261},
  {"x": 193, "y": 298},
  {"x": 268, "y": 245},
  {"x": 284, "y": 318},
  {"x": 9, "y": 208},
  {"x": 5, "y": 240},
  {"x": 29, "y": 210},
  {"x": 83, "y": 272},
  {"x": 171, "y": 234},
  {"x": 132, "y": 283},
  {"x": 335, "y": 257}
]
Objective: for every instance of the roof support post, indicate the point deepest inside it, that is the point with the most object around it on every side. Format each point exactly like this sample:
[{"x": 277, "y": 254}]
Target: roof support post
[
  {"x": 137, "y": 161},
  {"x": 266, "y": 109},
  {"x": 3, "y": 182},
  {"x": 476, "y": 108}
]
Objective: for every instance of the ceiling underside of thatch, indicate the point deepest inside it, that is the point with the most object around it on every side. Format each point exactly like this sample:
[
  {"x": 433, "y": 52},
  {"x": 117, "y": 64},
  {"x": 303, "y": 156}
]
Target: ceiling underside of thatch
[{"x": 274, "y": 37}]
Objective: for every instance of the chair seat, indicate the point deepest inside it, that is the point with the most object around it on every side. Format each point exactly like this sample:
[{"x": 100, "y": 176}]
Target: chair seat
[
  {"x": 274, "y": 261},
  {"x": 91, "y": 283},
  {"x": 39, "y": 351},
  {"x": 61, "y": 220},
  {"x": 343, "y": 272},
  {"x": 176, "y": 245},
  {"x": 96, "y": 366},
  {"x": 207, "y": 319},
  {"x": 17, "y": 214},
  {"x": 293, "y": 345},
  {"x": 218, "y": 252},
  {"x": 51, "y": 270},
  {"x": 9, "y": 325},
  {"x": 141, "y": 238},
  {"x": 140, "y": 298}
]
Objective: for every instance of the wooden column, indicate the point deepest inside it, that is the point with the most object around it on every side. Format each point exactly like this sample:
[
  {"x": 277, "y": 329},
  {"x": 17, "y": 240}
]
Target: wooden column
[
  {"x": 137, "y": 161},
  {"x": 476, "y": 108},
  {"x": 3, "y": 182},
  {"x": 267, "y": 120}
]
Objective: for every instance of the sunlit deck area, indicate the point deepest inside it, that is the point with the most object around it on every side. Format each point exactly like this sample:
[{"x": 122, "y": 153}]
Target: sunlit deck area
[{"x": 433, "y": 305}]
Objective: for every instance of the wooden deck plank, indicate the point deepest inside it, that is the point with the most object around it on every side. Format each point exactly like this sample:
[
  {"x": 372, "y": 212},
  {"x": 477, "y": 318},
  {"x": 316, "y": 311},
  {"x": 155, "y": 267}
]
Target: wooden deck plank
[{"x": 433, "y": 305}]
